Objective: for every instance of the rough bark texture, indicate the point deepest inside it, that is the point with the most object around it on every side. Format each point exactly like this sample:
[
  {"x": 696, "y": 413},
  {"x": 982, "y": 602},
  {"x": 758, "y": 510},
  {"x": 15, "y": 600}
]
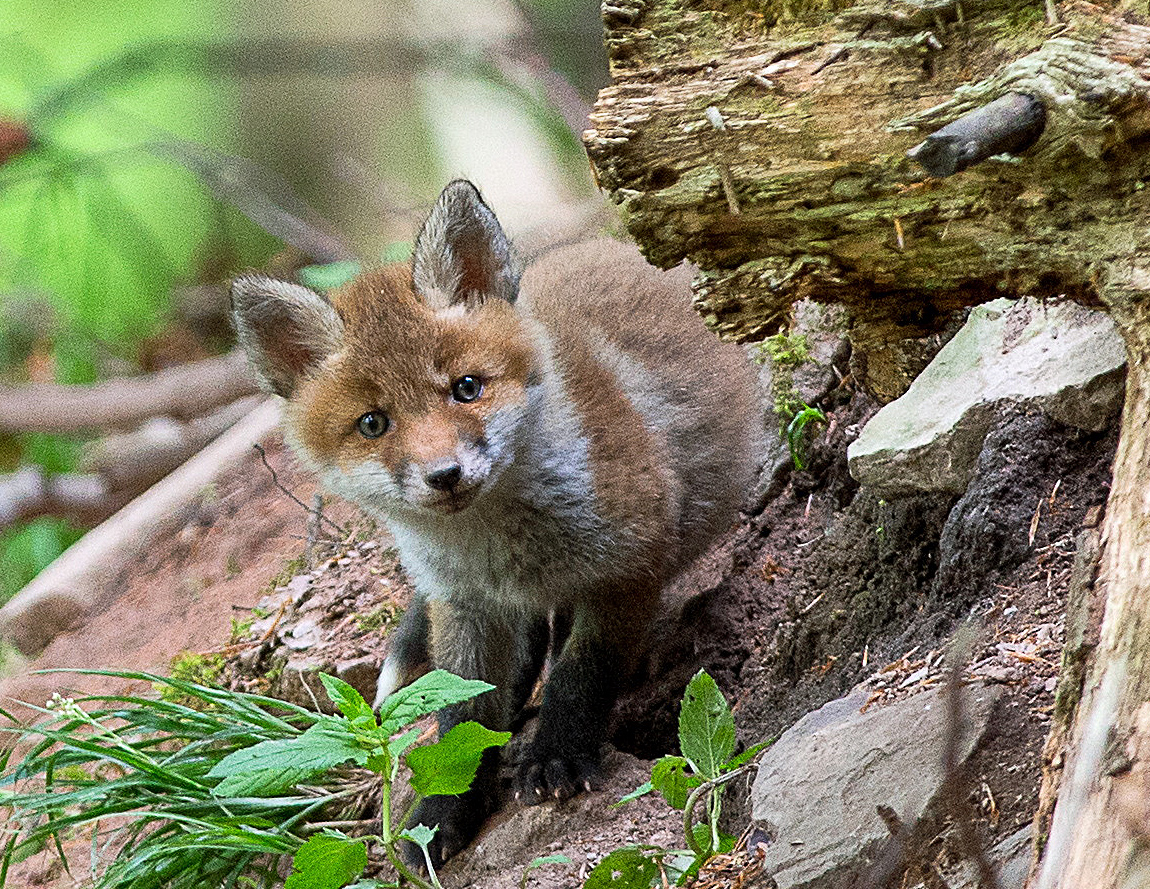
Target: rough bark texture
[
  {"x": 771, "y": 152},
  {"x": 767, "y": 144}
]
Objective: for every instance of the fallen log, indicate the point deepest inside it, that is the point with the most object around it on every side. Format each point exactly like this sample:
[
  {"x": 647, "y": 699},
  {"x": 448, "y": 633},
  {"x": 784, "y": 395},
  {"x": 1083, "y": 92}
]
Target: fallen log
[
  {"x": 114, "y": 470},
  {"x": 187, "y": 391},
  {"x": 31, "y": 492},
  {"x": 77, "y": 583},
  {"x": 132, "y": 461}
]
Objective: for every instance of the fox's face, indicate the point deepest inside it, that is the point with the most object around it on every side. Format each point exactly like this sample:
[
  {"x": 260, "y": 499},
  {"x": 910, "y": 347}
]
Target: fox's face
[{"x": 409, "y": 389}]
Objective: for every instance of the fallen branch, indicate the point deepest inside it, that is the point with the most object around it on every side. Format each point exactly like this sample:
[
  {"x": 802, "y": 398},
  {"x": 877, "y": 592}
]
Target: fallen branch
[
  {"x": 187, "y": 391},
  {"x": 116, "y": 470},
  {"x": 134, "y": 460},
  {"x": 31, "y": 493},
  {"x": 78, "y": 582}
]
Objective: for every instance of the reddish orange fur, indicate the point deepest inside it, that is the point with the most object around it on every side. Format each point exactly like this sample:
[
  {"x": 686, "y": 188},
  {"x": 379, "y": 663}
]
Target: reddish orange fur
[{"x": 401, "y": 357}]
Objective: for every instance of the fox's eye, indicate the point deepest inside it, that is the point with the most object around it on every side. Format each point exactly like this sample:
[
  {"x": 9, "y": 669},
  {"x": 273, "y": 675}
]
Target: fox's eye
[
  {"x": 372, "y": 424},
  {"x": 467, "y": 389}
]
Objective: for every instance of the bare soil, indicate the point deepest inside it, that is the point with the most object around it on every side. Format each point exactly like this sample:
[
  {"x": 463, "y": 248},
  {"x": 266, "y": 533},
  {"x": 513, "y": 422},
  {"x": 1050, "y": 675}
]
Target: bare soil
[{"x": 826, "y": 587}]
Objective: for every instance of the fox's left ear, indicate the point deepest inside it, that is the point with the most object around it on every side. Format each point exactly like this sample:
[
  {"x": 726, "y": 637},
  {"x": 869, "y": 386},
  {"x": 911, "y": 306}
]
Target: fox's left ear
[{"x": 461, "y": 253}]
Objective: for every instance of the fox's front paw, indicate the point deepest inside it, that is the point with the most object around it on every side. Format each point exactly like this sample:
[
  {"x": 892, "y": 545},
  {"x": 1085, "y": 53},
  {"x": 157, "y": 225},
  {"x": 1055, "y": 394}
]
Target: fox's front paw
[
  {"x": 547, "y": 775},
  {"x": 459, "y": 819}
]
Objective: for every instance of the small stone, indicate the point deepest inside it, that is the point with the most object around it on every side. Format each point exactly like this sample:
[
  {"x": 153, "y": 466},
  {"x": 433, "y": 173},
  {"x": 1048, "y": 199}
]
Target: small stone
[
  {"x": 303, "y": 635},
  {"x": 1051, "y": 684},
  {"x": 362, "y": 674},
  {"x": 998, "y": 673},
  {"x": 298, "y": 587},
  {"x": 249, "y": 657}
]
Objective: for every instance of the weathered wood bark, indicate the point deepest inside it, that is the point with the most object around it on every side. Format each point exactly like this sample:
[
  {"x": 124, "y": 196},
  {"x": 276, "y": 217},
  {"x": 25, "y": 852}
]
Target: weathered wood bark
[
  {"x": 816, "y": 118},
  {"x": 770, "y": 148}
]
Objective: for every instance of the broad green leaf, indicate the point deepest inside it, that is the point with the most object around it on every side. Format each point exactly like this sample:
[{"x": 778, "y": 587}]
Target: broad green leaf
[
  {"x": 547, "y": 859},
  {"x": 746, "y": 756},
  {"x": 430, "y": 692},
  {"x": 349, "y": 701},
  {"x": 330, "y": 275},
  {"x": 399, "y": 744},
  {"x": 669, "y": 777},
  {"x": 265, "y": 782},
  {"x": 706, "y": 726},
  {"x": 694, "y": 862},
  {"x": 322, "y": 746},
  {"x": 642, "y": 790},
  {"x": 327, "y": 861},
  {"x": 680, "y": 865},
  {"x": 631, "y": 867},
  {"x": 541, "y": 861},
  {"x": 448, "y": 766}
]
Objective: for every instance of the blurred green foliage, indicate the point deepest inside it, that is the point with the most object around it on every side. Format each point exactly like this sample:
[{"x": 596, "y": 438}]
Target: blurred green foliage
[
  {"x": 96, "y": 227},
  {"x": 91, "y": 220}
]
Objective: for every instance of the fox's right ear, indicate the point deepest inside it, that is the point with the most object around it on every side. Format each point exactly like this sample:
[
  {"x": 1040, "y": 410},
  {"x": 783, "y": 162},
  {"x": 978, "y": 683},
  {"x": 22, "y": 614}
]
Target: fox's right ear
[{"x": 286, "y": 329}]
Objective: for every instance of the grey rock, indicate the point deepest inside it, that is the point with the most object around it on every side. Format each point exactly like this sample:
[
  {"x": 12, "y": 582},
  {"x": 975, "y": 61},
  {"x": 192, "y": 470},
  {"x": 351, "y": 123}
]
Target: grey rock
[
  {"x": 305, "y": 634},
  {"x": 362, "y": 674},
  {"x": 299, "y": 683},
  {"x": 1010, "y": 859},
  {"x": 818, "y": 786},
  {"x": 823, "y": 329},
  {"x": 298, "y": 588},
  {"x": 1063, "y": 358}
]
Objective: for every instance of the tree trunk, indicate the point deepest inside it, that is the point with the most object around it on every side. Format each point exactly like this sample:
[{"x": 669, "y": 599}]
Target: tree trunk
[
  {"x": 1105, "y": 840},
  {"x": 768, "y": 144}
]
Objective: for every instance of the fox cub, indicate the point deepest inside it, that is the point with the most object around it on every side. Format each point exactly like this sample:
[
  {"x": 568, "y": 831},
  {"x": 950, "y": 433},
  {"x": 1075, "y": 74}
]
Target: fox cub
[{"x": 547, "y": 449}]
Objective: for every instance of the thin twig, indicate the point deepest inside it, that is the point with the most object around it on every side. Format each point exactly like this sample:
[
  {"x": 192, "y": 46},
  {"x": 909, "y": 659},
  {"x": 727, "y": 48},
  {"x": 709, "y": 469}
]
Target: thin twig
[{"x": 276, "y": 481}]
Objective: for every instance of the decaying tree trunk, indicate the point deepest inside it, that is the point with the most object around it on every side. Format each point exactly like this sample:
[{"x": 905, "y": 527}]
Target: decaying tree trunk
[{"x": 768, "y": 144}]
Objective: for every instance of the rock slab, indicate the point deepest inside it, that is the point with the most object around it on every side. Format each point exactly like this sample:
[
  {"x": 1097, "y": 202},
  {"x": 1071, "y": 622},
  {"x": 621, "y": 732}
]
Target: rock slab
[
  {"x": 1062, "y": 358},
  {"x": 818, "y": 786}
]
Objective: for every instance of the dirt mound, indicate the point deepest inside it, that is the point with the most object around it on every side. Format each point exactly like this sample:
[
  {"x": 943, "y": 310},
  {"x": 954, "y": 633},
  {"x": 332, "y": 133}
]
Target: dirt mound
[{"x": 826, "y": 587}]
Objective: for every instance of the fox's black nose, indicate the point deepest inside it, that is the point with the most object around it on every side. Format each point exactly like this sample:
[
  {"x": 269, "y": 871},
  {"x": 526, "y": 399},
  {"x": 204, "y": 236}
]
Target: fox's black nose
[{"x": 445, "y": 478}]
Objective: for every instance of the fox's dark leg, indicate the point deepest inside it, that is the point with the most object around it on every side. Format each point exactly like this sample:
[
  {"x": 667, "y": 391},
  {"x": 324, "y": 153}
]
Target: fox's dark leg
[
  {"x": 601, "y": 649},
  {"x": 530, "y": 655},
  {"x": 408, "y": 656},
  {"x": 474, "y": 643}
]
